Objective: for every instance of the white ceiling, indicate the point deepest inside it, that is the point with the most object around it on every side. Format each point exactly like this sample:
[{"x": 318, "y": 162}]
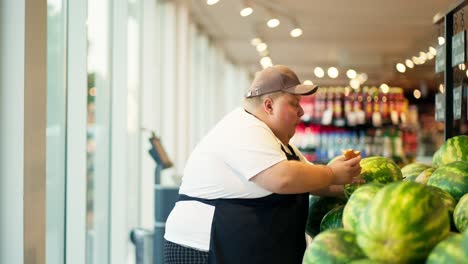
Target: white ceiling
[{"x": 369, "y": 36}]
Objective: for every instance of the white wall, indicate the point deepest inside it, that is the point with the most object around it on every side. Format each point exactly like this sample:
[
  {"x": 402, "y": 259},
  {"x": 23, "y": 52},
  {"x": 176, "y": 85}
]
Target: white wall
[
  {"x": 22, "y": 125},
  {"x": 76, "y": 133},
  {"x": 12, "y": 27}
]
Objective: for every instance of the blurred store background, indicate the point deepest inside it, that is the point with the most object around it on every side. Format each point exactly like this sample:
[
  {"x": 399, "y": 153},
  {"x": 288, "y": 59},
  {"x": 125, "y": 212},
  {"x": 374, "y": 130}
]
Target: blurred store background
[{"x": 85, "y": 84}]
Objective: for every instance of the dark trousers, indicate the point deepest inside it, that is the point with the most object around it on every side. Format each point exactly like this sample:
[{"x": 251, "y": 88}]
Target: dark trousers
[{"x": 177, "y": 254}]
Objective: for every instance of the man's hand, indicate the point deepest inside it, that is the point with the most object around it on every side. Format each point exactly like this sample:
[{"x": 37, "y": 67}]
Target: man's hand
[{"x": 346, "y": 171}]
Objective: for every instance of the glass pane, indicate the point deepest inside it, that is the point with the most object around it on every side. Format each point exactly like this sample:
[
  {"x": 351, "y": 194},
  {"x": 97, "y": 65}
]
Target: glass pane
[
  {"x": 98, "y": 137},
  {"x": 56, "y": 131}
]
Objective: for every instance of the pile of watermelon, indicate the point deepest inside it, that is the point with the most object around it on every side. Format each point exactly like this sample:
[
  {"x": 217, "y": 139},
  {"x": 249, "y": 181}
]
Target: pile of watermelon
[{"x": 416, "y": 214}]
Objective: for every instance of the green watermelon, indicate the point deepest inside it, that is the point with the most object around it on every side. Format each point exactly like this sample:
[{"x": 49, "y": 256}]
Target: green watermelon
[
  {"x": 376, "y": 169},
  {"x": 334, "y": 246},
  {"x": 402, "y": 224},
  {"x": 454, "y": 149},
  {"x": 318, "y": 208},
  {"x": 448, "y": 201},
  {"x": 424, "y": 176},
  {"x": 332, "y": 219},
  {"x": 365, "y": 261},
  {"x": 460, "y": 214},
  {"x": 447, "y": 251},
  {"x": 412, "y": 170},
  {"x": 452, "y": 178},
  {"x": 356, "y": 203},
  {"x": 465, "y": 243}
]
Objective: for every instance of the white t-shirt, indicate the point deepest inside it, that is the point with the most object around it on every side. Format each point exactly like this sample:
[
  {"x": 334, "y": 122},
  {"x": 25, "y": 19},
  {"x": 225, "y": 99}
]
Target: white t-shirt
[{"x": 221, "y": 166}]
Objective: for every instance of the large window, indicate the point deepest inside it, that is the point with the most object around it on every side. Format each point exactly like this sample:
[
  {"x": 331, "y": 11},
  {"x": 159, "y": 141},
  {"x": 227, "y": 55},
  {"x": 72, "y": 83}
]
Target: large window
[
  {"x": 56, "y": 132},
  {"x": 98, "y": 133}
]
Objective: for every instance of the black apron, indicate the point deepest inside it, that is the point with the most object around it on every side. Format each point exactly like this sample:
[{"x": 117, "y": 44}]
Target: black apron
[{"x": 268, "y": 230}]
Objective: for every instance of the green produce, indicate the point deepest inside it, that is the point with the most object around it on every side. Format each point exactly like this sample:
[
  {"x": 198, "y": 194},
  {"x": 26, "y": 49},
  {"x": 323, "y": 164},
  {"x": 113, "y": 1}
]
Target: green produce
[
  {"x": 376, "y": 169},
  {"x": 454, "y": 149},
  {"x": 465, "y": 243},
  {"x": 332, "y": 219},
  {"x": 334, "y": 246},
  {"x": 357, "y": 202},
  {"x": 365, "y": 261},
  {"x": 448, "y": 201},
  {"x": 452, "y": 178},
  {"x": 318, "y": 208},
  {"x": 448, "y": 251},
  {"x": 411, "y": 171},
  {"x": 460, "y": 214},
  {"x": 423, "y": 177},
  {"x": 402, "y": 224}
]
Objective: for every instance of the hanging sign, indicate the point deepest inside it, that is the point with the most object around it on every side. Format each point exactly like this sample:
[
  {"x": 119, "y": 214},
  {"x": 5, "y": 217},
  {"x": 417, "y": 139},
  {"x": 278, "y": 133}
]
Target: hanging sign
[
  {"x": 440, "y": 59},
  {"x": 440, "y": 107},
  {"x": 457, "y": 102},
  {"x": 458, "y": 48}
]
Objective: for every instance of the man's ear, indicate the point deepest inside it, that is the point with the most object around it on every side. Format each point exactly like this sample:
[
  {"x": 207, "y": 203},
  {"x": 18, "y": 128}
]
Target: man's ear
[{"x": 268, "y": 105}]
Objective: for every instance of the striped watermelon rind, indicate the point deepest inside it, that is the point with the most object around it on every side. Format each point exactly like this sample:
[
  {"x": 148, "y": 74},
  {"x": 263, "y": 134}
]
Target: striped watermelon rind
[
  {"x": 424, "y": 176},
  {"x": 448, "y": 201},
  {"x": 333, "y": 246},
  {"x": 365, "y": 261},
  {"x": 318, "y": 208},
  {"x": 448, "y": 250},
  {"x": 357, "y": 202},
  {"x": 376, "y": 169},
  {"x": 452, "y": 178},
  {"x": 465, "y": 243},
  {"x": 460, "y": 214},
  {"x": 412, "y": 170},
  {"x": 454, "y": 149},
  {"x": 333, "y": 219},
  {"x": 402, "y": 223}
]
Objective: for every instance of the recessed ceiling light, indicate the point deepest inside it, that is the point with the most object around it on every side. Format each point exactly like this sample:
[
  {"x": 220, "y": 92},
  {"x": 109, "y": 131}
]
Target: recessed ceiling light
[
  {"x": 273, "y": 22},
  {"x": 211, "y": 2},
  {"x": 296, "y": 32}
]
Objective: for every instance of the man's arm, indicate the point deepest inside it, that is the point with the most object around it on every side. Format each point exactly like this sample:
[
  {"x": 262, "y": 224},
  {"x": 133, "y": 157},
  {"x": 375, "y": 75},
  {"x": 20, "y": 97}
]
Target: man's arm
[
  {"x": 288, "y": 177},
  {"x": 332, "y": 190}
]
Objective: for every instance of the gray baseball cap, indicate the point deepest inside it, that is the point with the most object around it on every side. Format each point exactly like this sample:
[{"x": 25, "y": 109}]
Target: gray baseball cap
[{"x": 278, "y": 78}]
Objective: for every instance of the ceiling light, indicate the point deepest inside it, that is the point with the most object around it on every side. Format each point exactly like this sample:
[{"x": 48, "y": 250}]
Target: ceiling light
[
  {"x": 308, "y": 82},
  {"x": 211, "y": 2},
  {"x": 262, "y": 47},
  {"x": 417, "y": 93},
  {"x": 354, "y": 83},
  {"x": 362, "y": 78},
  {"x": 441, "y": 40},
  {"x": 296, "y": 32},
  {"x": 255, "y": 41},
  {"x": 429, "y": 56},
  {"x": 384, "y": 87},
  {"x": 351, "y": 73},
  {"x": 263, "y": 53},
  {"x": 273, "y": 22},
  {"x": 401, "y": 67},
  {"x": 266, "y": 62},
  {"x": 332, "y": 72},
  {"x": 246, "y": 11},
  {"x": 319, "y": 72},
  {"x": 422, "y": 57},
  {"x": 462, "y": 66},
  {"x": 409, "y": 63},
  {"x": 433, "y": 51}
]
